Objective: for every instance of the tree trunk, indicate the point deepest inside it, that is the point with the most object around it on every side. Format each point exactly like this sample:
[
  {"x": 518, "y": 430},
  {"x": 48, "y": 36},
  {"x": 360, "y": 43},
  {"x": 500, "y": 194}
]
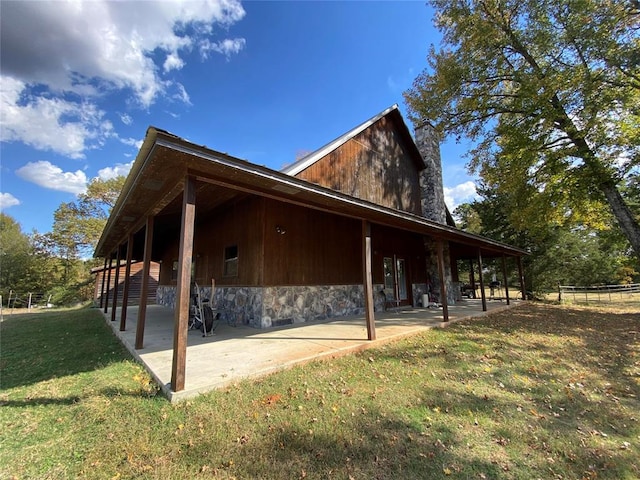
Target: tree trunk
[{"x": 626, "y": 220}]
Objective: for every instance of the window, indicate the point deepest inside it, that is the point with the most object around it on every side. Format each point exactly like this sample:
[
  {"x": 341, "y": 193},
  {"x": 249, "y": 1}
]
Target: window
[
  {"x": 231, "y": 261},
  {"x": 174, "y": 270}
]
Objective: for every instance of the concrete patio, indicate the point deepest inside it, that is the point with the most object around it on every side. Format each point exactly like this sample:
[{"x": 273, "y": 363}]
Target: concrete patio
[{"x": 236, "y": 353}]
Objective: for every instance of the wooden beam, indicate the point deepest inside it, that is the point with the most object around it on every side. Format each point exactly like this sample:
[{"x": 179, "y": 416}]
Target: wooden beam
[
  {"x": 127, "y": 284},
  {"x": 114, "y": 304},
  {"x": 367, "y": 280},
  {"x": 106, "y": 300},
  {"x": 181, "y": 314},
  {"x": 472, "y": 278},
  {"x": 504, "y": 276},
  {"x": 144, "y": 288},
  {"x": 104, "y": 273},
  {"x": 443, "y": 283},
  {"x": 523, "y": 288},
  {"x": 482, "y": 294}
]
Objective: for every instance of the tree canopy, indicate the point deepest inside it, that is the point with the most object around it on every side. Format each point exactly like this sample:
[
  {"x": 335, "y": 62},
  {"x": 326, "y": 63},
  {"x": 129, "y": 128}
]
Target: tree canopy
[
  {"x": 78, "y": 225},
  {"x": 550, "y": 91}
]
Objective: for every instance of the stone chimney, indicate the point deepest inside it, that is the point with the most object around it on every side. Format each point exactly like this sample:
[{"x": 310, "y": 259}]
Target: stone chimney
[
  {"x": 431, "y": 191},
  {"x": 434, "y": 209}
]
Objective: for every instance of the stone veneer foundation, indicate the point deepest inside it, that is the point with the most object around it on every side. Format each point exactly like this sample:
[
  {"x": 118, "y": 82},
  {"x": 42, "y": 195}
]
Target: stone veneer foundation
[{"x": 264, "y": 307}]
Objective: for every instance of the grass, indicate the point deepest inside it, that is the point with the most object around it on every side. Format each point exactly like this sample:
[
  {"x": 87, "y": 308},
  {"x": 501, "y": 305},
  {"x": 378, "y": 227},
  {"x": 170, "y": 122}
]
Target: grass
[{"x": 538, "y": 391}]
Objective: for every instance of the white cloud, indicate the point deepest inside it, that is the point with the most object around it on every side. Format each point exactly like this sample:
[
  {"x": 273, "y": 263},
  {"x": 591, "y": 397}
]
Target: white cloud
[
  {"x": 173, "y": 62},
  {"x": 50, "y": 176},
  {"x": 132, "y": 142},
  {"x": 113, "y": 172},
  {"x": 48, "y": 123},
  {"x": 7, "y": 200},
  {"x": 461, "y": 193},
  {"x": 182, "y": 94},
  {"x": 126, "y": 119},
  {"x": 58, "y": 58},
  {"x": 226, "y": 47}
]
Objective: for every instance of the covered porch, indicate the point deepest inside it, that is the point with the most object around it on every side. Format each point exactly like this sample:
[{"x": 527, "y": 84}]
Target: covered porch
[{"x": 236, "y": 353}]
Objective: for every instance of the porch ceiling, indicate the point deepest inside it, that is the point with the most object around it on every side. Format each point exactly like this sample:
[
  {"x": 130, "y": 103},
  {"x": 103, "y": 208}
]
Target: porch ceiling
[{"x": 155, "y": 184}]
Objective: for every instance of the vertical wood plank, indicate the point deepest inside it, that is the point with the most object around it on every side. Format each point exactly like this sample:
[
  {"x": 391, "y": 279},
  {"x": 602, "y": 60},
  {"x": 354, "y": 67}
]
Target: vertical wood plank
[
  {"x": 482, "y": 294},
  {"x": 367, "y": 280},
  {"x": 504, "y": 276},
  {"x": 443, "y": 283},
  {"x": 104, "y": 272},
  {"x": 127, "y": 284},
  {"x": 181, "y": 315},
  {"x": 144, "y": 288},
  {"x": 106, "y": 299},
  {"x": 472, "y": 278},
  {"x": 114, "y": 304}
]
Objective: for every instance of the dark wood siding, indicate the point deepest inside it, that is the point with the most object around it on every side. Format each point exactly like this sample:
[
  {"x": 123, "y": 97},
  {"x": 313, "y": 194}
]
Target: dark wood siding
[
  {"x": 316, "y": 248},
  {"x": 374, "y": 165},
  {"x": 240, "y": 224},
  {"x": 387, "y": 242}
]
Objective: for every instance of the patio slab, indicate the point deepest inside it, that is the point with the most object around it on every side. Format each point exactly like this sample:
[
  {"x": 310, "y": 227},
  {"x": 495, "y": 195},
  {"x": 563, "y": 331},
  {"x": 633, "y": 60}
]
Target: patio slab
[{"x": 235, "y": 353}]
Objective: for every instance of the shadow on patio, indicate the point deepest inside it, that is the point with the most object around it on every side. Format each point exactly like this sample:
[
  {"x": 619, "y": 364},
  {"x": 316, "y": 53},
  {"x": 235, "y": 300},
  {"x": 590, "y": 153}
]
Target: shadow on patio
[{"x": 235, "y": 353}]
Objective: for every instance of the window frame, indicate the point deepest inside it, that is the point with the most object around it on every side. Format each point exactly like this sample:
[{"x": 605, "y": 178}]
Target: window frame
[{"x": 230, "y": 263}]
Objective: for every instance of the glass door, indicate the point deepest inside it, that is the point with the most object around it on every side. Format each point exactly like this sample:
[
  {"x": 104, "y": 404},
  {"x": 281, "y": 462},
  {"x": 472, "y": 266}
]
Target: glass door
[
  {"x": 401, "y": 275},
  {"x": 395, "y": 279}
]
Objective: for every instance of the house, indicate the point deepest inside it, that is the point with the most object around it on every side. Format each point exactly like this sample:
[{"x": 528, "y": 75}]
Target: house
[{"x": 355, "y": 227}]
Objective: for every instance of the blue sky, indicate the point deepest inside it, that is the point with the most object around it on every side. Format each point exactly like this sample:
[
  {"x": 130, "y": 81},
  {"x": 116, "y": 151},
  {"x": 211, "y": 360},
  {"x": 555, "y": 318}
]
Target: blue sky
[{"x": 264, "y": 81}]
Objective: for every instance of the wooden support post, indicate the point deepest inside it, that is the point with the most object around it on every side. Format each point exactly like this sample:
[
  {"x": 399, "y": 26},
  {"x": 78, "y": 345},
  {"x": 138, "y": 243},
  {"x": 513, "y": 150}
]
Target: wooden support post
[
  {"x": 443, "y": 283},
  {"x": 472, "y": 278},
  {"x": 106, "y": 299},
  {"x": 116, "y": 279},
  {"x": 127, "y": 284},
  {"x": 144, "y": 288},
  {"x": 482, "y": 293},
  {"x": 367, "y": 280},
  {"x": 504, "y": 276},
  {"x": 523, "y": 289},
  {"x": 181, "y": 314},
  {"x": 104, "y": 272}
]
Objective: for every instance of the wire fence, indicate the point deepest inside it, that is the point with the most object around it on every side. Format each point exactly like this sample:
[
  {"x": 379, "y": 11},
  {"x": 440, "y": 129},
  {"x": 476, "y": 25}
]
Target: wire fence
[
  {"x": 599, "y": 293},
  {"x": 26, "y": 300}
]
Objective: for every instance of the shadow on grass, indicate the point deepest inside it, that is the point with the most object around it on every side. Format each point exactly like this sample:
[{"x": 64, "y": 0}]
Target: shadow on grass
[
  {"x": 565, "y": 376},
  {"x": 54, "y": 344}
]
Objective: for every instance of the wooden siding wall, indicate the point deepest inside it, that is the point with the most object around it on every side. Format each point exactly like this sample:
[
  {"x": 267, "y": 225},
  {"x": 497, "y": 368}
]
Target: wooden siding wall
[
  {"x": 373, "y": 166},
  {"x": 387, "y": 243},
  {"x": 134, "y": 285},
  {"x": 239, "y": 224},
  {"x": 317, "y": 248}
]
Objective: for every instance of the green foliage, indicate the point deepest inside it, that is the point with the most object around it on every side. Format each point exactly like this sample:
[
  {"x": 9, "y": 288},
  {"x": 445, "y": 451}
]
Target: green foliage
[
  {"x": 78, "y": 225},
  {"x": 576, "y": 255},
  {"x": 15, "y": 256},
  {"x": 551, "y": 92}
]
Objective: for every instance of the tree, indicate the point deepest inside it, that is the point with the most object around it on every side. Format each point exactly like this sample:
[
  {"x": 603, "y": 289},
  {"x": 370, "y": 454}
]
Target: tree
[
  {"x": 15, "y": 256},
  {"x": 77, "y": 226},
  {"x": 570, "y": 255},
  {"x": 550, "y": 90}
]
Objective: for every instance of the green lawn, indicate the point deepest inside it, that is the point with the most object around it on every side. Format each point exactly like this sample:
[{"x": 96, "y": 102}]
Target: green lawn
[{"x": 539, "y": 391}]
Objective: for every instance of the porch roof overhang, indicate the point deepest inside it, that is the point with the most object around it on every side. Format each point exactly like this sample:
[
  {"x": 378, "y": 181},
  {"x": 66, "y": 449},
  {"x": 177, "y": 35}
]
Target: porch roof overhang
[{"x": 156, "y": 181}]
